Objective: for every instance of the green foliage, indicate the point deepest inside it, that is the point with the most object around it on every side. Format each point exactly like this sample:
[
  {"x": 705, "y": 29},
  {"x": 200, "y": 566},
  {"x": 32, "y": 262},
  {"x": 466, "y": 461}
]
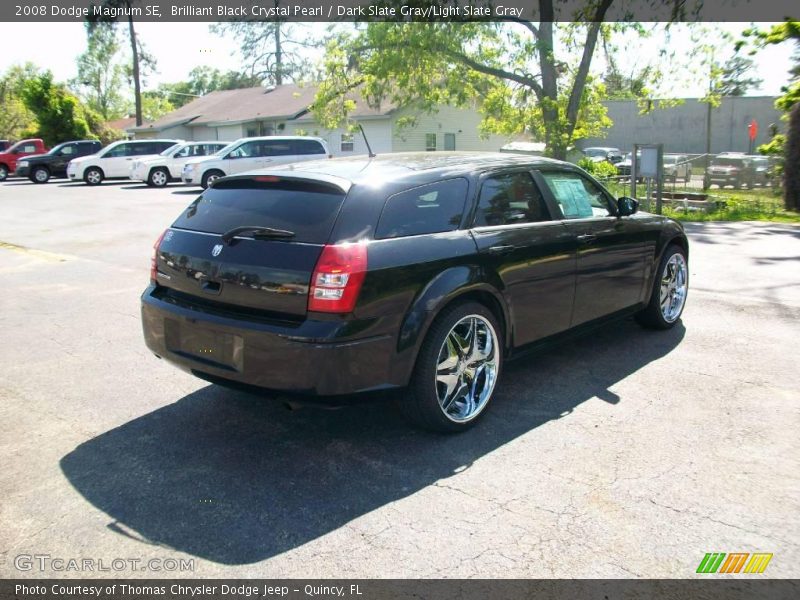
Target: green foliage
[
  {"x": 101, "y": 76},
  {"x": 600, "y": 169},
  {"x": 16, "y": 121},
  {"x": 739, "y": 205},
  {"x": 791, "y": 173},
  {"x": 155, "y": 105},
  {"x": 488, "y": 65},
  {"x": 735, "y": 79},
  {"x": 59, "y": 114}
]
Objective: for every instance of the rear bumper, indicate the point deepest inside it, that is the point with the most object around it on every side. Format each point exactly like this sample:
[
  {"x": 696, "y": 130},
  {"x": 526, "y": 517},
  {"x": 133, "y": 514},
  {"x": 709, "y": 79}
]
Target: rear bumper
[{"x": 305, "y": 358}]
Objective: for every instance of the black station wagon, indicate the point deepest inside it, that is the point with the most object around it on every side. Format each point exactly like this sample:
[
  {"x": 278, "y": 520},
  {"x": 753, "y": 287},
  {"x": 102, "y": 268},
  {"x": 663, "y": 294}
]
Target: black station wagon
[{"x": 424, "y": 271}]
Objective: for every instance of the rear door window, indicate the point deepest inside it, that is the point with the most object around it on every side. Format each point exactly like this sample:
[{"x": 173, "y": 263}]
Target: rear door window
[
  {"x": 275, "y": 148},
  {"x": 307, "y": 208},
  {"x": 430, "y": 208},
  {"x": 509, "y": 199},
  {"x": 307, "y": 147}
]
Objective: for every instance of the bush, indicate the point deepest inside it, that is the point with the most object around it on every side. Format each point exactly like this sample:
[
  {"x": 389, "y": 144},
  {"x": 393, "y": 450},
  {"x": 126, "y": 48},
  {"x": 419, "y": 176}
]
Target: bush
[{"x": 601, "y": 170}]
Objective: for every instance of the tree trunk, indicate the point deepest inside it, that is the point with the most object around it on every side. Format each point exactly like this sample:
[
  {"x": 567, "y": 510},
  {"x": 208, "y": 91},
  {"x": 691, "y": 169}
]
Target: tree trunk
[
  {"x": 791, "y": 166},
  {"x": 278, "y": 55},
  {"x": 137, "y": 87}
]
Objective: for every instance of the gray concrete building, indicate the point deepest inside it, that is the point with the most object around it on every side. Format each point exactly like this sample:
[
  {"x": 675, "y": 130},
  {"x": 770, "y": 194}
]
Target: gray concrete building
[{"x": 682, "y": 128}]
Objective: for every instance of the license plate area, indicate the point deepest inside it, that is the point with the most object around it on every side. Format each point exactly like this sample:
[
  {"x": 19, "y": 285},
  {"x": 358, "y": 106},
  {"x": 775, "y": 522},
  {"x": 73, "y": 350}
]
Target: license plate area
[{"x": 203, "y": 345}]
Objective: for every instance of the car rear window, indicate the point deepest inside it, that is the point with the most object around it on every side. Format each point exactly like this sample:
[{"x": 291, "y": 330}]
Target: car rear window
[
  {"x": 426, "y": 209},
  {"x": 307, "y": 208}
]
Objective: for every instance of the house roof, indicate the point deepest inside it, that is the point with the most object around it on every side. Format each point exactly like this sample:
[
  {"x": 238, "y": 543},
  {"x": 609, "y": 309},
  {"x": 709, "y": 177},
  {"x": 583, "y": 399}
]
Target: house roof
[
  {"x": 251, "y": 104},
  {"x": 122, "y": 124}
]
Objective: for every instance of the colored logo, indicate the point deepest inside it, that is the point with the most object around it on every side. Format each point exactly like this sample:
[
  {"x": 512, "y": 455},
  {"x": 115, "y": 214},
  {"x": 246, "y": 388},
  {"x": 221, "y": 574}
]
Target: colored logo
[
  {"x": 735, "y": 562},
  {"x": 215, "y": 251}
]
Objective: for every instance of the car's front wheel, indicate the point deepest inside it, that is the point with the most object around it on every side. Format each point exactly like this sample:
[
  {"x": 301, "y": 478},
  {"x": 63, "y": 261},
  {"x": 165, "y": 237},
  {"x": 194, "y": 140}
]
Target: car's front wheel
[
  {"x": 457, "y": 370},
  {"x": 669, "y": 292},
  {"x": 210, "y": 177},
  {"x": 3, "y": 172},
  {"x": 40, "y": 175},
  {"x": 93, "y": 176},
  {"x": 158, "y": 178}
]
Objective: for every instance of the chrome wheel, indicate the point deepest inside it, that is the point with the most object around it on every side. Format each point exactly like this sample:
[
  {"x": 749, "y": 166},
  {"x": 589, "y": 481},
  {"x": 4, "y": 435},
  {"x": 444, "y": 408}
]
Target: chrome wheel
[
  {"x": 158, "y": 178},
  {"x": 211, "y": 178},
  {"x": 466, "y": 369},
  {"x": 41, "y": 175},
  {"x": 93, "y": 177},
  {"x": 674, "y": 285}
]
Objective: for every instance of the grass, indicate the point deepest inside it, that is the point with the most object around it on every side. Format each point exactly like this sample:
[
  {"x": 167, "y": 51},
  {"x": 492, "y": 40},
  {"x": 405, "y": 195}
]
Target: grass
[{"x": 760, "y": 204}]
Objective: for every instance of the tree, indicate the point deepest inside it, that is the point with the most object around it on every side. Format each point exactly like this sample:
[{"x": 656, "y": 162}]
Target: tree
[
  {"x": 509, "y": 68},
  {"x": 16, "y": 121},
  {"x": 100, "y": 75},
  {"x": 59, "y": 114},
  {"x": 788, "y": 146},
  {"x": 269, "y": 49},
  {"x": 734, "y": 80},
  {"x": 113, "y": 10}
]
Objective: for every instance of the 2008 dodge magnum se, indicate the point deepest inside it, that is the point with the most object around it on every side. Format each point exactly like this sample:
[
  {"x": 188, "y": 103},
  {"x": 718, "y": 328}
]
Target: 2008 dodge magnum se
[{"x": 421, "y": 270}]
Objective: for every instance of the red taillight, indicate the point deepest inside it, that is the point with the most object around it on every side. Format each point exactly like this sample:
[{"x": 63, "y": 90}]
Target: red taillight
[
  {"x": 337, "y": 278},
  {"x": 154, "y": 259}
]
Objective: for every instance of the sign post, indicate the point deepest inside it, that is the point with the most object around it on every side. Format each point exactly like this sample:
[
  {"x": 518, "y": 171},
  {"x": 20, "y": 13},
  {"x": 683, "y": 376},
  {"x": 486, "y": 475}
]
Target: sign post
[{"x": 752, "y": 132}]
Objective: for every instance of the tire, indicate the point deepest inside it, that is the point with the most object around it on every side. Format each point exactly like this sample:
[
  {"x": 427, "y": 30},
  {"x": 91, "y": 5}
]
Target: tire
[
  {"x": 706, "y": 183},
  {"x": 670, "y": 285},
  {"x": 468, "y": 382},
  {"x": 3, "y": 172},
  {"x": 209, "y": 177},
  {"x": 737, "y": 185},
  {"x": 688, "y": 177},
  {"x": 40, "y": 175},
  {"x": 158, "y": 177},
  {"x": 93, "y": 176}
]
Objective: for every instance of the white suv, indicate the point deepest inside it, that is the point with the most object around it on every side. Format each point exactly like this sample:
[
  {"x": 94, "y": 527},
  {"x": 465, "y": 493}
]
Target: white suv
[
  {"x": 247, "y": 154},
  {"x": 158, "y": 171},
  {"x": 113, "y": 161}
]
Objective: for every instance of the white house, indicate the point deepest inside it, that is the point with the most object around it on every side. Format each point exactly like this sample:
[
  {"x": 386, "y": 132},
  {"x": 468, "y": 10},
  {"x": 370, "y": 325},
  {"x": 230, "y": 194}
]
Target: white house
[{"x": 232, "y": 114}]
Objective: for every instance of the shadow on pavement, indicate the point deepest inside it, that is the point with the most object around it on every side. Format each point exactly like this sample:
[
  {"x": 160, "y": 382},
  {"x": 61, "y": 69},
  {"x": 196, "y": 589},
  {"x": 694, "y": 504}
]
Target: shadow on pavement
[
  {"x": 235, "y": 479},
  {"x": 194, "y": 192}
]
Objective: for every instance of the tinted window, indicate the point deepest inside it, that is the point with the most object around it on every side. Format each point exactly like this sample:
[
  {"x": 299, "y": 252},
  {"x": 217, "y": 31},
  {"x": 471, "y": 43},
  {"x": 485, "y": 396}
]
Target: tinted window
[
  {"x": 116, "y": 151},
  {"x": 306, "y": 208},
  {"x": 84, "y": 149},
  {"x": 508, "y": 199},
  {"x": 310, "y": 147},
  {"x": 275, "y": 148},
  {"x": 577, "y": 197},
  {"x": 246, "y": 150},
  {"x": 426, "y": 209},
  {"x": 67, "y": 150}
]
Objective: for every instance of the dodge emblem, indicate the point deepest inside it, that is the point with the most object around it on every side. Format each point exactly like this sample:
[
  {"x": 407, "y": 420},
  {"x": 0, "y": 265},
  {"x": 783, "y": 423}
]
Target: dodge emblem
[{"x": 215, "y": 251}]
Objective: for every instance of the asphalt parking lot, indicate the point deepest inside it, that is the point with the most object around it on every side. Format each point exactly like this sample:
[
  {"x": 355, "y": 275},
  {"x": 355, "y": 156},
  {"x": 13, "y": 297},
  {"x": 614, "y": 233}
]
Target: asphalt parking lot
[{"x": 627, "y": 453}]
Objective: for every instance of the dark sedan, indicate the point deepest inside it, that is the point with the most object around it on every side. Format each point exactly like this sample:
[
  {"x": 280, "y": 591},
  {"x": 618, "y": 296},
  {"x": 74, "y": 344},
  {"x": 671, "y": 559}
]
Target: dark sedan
[
  {"x": 424, "y": 271},
  {"x": 39, "y": 168}
]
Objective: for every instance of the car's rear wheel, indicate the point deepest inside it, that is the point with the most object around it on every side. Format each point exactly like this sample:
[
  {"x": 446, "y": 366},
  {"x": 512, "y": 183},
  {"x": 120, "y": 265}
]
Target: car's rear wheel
[
  {"x": 210, "y": 177},
  {"x": 93, "y": 176},
  {"x": 457, "y": 370},
  {"x": 40, "y": 175},
  {"x": 669, "y": 292},
  {"x": 3, "y": 172},
  {"x": 158, "y": 178}
]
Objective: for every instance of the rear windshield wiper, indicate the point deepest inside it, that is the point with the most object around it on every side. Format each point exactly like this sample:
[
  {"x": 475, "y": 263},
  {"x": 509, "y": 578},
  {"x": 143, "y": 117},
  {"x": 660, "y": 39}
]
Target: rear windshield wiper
[{"x": 257, "y": 232}]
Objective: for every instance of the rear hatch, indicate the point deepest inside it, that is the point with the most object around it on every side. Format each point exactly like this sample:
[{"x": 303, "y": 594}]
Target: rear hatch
[{"x": 261, "y": 271}]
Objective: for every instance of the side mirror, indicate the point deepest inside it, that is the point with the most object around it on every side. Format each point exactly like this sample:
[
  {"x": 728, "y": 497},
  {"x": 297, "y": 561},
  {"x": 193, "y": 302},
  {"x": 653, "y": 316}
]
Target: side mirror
[{"x": 627, "y": 206}]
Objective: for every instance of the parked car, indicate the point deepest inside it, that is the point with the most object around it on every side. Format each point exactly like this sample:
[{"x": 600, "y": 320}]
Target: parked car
[
  {"x": 762, "y": 170},
  {"x": 421, "y": 270},
  {"x": 114, "y": 161},
  {"x": 677, "y": 166},
  {"x": 9, "y": 158},
  {"x": 39, "y": 168},
  {"x": 158, "y": 171},
  {"x": 730, "y": 169},
  {"x": 253, "y": 153},
  {"x": 612, "y": 155},
  {"x": 625, "y": 166}
]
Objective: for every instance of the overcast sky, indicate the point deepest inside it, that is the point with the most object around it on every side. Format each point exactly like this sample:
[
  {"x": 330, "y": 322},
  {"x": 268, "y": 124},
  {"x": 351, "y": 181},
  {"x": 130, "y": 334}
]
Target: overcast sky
[{"x": 179, "y": 47}]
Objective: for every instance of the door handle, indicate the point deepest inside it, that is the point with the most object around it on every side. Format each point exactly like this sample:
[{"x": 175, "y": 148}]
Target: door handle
[
  {"x": 501, "y": 249},
  {"x": 586, "y": 238}
]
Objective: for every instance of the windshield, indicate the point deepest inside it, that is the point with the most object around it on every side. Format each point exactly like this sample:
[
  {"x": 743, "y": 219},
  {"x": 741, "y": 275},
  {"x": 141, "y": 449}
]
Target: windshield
[
  {"x": 225, "y": 149},
  {"x": 169, "y": 150},
  {"x": 595, "y": 152},
  {"x": 56, "y": 149},
  {"x": 670, "y": 160}
]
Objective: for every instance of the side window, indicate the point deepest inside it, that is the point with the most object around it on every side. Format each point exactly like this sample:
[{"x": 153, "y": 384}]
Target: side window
[
  {"x": 244, "y": 151},
  {"x": 29, "y": 148},
  {"x": 159, "y": 147},
  {"x": 141, "y": 148},
  {"x": 118, "y": 151},
  {"x": 276, "y": 148},
  {"x": 426, "y": 209},
  {"x": 508, "y": 199},
  {"x": 305, "y": 147},
  {"x": 67, "y": 151},
  {"x": 184, "y": 152},
  {"x": 430, "y": 142},
  {"x": 578, "y": 197}
]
